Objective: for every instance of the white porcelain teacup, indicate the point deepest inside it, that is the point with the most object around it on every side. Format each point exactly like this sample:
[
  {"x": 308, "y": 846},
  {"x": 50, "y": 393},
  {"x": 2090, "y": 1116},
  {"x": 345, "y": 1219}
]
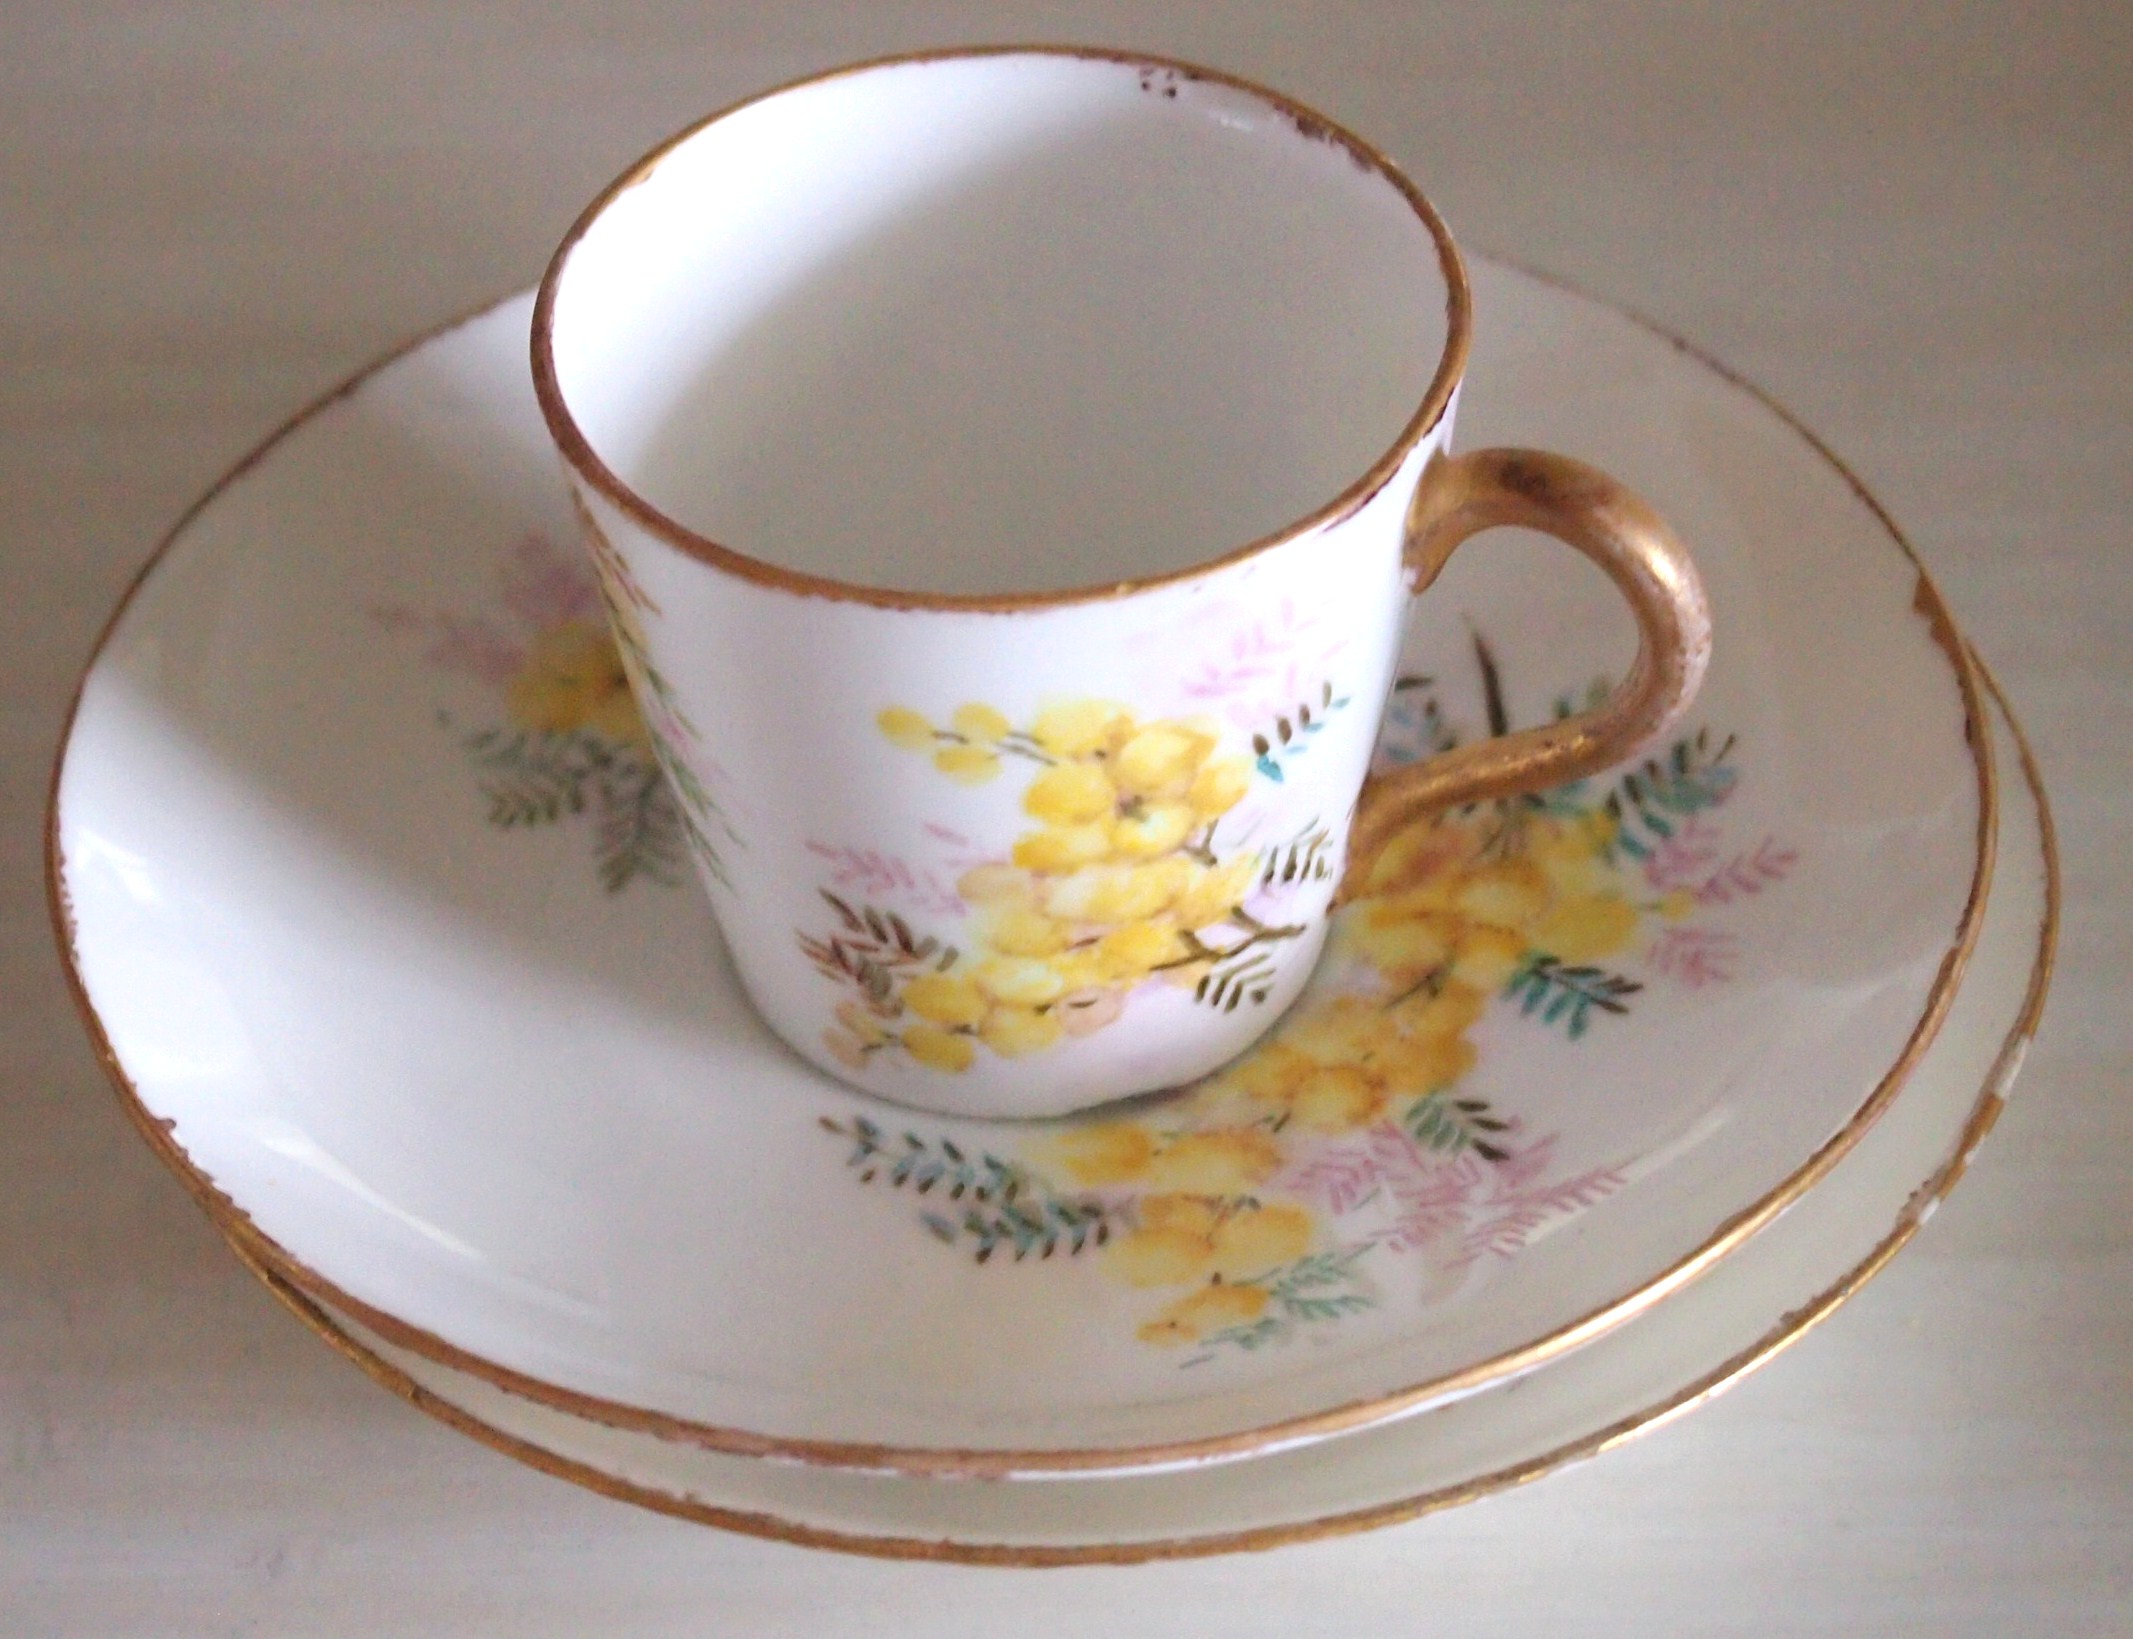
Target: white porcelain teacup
[{"x": 1008, "y": 472}]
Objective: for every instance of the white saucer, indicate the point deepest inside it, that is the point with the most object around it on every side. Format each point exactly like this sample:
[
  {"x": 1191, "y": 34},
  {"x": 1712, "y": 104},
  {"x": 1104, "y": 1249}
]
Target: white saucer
[
  {"x": 490, "y": 1090},
  {"x": 1658, "y": 1366}
]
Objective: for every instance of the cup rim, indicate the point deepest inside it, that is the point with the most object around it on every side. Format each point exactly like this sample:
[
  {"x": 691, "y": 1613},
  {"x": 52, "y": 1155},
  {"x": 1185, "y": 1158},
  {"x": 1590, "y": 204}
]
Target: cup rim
[{"x": 577, "y": 451}]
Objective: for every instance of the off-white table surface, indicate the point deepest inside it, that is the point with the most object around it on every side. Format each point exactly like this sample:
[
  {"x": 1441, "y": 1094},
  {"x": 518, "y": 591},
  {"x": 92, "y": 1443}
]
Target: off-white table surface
[{"x": 1912, "y": 222}]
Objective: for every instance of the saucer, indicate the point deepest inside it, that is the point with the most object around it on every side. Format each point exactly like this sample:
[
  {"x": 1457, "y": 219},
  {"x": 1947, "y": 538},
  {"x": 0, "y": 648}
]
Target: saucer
[
  {"x": 1639, "y": 1377},
  {"x": 373, "y": 901}
]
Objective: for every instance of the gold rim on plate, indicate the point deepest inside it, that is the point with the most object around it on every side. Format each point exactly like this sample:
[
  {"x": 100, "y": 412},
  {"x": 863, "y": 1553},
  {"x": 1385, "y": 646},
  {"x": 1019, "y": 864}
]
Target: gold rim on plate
[{"x": 265, "y": 1254}]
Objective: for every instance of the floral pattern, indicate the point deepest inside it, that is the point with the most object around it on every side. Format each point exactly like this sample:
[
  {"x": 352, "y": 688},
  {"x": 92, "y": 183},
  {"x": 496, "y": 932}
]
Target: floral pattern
[
  {"x": 564, "y": 739},
  {"x": 673, "y": 737},
  {"x": 1119, "y": 881},
  {"x": 1271, "y": 1200}
]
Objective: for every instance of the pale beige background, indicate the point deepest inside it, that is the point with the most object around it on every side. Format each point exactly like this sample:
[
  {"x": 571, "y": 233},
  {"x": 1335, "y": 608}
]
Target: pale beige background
[{"x": 1913, "y": 222}]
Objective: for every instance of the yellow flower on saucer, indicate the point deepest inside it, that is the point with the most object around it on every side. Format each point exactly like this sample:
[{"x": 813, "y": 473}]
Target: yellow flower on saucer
[
  {"x": 1226, "y": 1161},
  {"x": 1158, "y": 1257},
  {"x": 1255, "y": 1239},
  {"x": 1587, "y": 928},
  {"x": 573, "y": 679},
  {"x": 1506, "y": 895},
  {"x": 1214, "y": 1308},
  {"x": 1112, "y": 1152},
  {"x": 1485, "y": 957},
  {"x": 1337, "y": 1098},
  {"x": 1184, "y": 1238}
]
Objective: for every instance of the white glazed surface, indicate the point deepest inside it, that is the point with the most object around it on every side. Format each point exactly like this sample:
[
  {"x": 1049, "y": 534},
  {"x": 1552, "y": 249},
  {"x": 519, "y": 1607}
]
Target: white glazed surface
[
  {"x": 1668, "y": 1360},
  {"x": 998, "y": 324},
  {"x": 449, "y": 1074},
  {"x": 1005, "y": 324}
]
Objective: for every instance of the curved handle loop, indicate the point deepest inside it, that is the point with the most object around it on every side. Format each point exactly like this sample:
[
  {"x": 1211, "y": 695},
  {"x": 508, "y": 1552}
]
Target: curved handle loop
[{"x": 1462, "y": 495}]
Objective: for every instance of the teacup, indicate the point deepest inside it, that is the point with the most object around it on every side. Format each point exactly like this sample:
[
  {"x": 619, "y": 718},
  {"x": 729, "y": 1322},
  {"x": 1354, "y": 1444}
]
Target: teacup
[{"x": 1008, "y": 472}]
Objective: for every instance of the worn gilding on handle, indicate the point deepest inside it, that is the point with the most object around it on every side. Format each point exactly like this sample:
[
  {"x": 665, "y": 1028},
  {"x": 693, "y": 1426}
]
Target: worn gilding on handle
[{"x": 1462, "y": 495}]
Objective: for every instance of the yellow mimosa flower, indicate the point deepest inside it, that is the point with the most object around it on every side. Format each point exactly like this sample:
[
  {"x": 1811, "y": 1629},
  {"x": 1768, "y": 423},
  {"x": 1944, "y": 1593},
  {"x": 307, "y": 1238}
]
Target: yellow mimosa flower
[
  {"x": 939, "y": 1049},
  {"x": 1587, "y": 928},
  {"x": 1014, "y": 1031},
  {"x": 997, "y": 885},
  {"x": 1212, "y": 893},
  {"x": 1156, "y": 829},
  {"x": 1059, "y": 848},
  {"x": 1509, "y": 894},
  {"x": 967, "y": 765},
  {"x": 1070, "y": 794},
  {"x": 573, "y": 679},
  {"x": 1214, "y": 1308},
  {"x": 1159, "y": 1257},
  {"x": 905, "y": 728},
  {"x": 1253, "y": 1240},
  {"x": 1337, "y": 1098},
  {"x": 948, "y": 999},
  {"x": 1079, "y": 728},
  {"x": 1137, "y": 949},
  {"x": 1485, "y": 957},
  {"x": 1219, "y": 786},
  {"x": 1160, "y": 760},
  {"x": 1018, "y": 932},
  {"x": 981, "y": 724},
  {"x": 1226, "y": 1161},
  {"x": 1020, "y": 981},
  {"x": 1111, "y": 1152}
]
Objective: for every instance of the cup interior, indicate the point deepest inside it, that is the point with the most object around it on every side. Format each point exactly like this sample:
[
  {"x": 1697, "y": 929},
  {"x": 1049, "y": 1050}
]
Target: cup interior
[{"x": 998, "y": 323}]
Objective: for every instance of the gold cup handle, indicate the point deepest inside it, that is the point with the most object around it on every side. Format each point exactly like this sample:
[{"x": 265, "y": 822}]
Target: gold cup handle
[{"x": 1462, "y": 495}]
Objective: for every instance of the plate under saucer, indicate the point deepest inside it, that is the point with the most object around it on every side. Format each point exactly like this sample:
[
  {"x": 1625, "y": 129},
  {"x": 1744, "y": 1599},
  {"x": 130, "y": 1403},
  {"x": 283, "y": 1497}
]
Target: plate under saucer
[
  {"x": 1656, "y": 1367},
  {"x": 406, "y": 992}
]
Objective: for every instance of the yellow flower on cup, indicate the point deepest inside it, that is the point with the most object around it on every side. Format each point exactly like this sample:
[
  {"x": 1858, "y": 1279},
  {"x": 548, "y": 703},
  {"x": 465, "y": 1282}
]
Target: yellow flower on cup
[{"x": 1116, "y": 881}]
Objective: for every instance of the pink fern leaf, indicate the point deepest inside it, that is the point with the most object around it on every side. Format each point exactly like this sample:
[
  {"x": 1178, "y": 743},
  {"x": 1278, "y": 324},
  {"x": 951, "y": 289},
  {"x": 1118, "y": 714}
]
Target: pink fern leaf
[
  {"x": 1336, "y": 1180},
  {"x": 1431, "y": 1195},
  {"x": 1695, "y": 957},
  {"x": 1748, "y": 874},
  {"x": 1685, "y": 858},
  {"x": 871, "y": 874},
  {"x": 1510, "y": 1221}
]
